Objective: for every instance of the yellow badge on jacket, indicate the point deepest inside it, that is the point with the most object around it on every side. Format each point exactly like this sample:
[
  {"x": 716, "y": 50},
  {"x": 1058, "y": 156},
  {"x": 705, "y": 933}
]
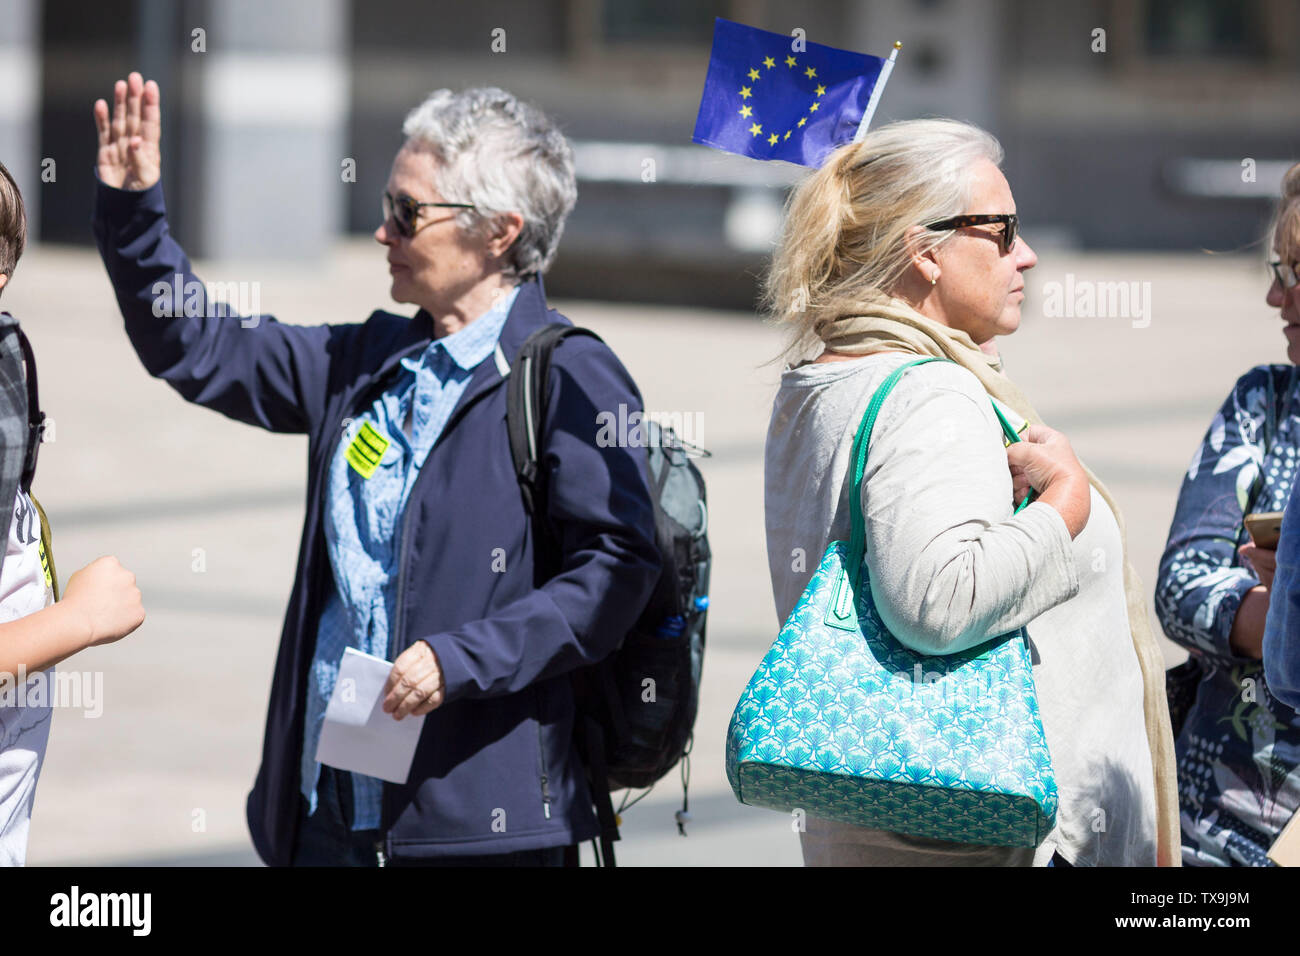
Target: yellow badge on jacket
[{"x": 366, "y": 450}]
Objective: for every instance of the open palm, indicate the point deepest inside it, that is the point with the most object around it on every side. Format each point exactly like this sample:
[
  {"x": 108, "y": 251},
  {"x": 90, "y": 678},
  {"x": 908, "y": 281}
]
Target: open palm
[{"x": 129, "y": 154}]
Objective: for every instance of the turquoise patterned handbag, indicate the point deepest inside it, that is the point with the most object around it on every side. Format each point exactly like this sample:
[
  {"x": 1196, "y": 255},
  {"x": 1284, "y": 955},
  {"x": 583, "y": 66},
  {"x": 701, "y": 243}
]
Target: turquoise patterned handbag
[{"x": 843, "y": 722}]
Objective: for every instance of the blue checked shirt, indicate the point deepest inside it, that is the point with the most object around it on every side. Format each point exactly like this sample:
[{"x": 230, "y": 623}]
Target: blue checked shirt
[{"x": 362, "y": 518}]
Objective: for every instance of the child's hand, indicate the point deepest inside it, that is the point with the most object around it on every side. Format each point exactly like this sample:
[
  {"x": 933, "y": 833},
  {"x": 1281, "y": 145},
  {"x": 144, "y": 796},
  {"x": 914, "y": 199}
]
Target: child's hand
[
  {"x": 106, "y": 594},
  {"x": 129, "y": 153}
]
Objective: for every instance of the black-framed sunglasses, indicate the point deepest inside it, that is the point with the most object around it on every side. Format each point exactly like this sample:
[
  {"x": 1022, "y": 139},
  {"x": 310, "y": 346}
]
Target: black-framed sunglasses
[
  {"x": 1010, "y": 225},
  {"x": 404, "y": 211},
  {"x": 1285, "y": 274}
]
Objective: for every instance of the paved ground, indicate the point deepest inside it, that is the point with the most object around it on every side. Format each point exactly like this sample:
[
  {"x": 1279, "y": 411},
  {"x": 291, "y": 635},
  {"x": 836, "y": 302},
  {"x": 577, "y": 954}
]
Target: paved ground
[{"x": 161, "y": 776}]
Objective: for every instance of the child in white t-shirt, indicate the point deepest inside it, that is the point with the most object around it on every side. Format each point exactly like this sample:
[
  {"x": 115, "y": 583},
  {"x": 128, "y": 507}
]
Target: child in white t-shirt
[{"x": 101, "y": 603}]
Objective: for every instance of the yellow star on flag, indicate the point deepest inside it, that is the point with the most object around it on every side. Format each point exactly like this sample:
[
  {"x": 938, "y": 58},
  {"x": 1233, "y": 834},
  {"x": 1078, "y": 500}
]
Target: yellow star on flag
[
  {"x": 789, "y": 61},
  {"x": 769, "y": 62},
  {"x": 755, "y": 129},
  {"x": 810, "y": 73},
  {"x": 745, "y": 112},
  {"x": 787, "y": 134},
  {"x": 745, "y": 93},
  {"x": 802, "y": 120},
  {"x": 820, "y": 89},
  {"x": 772, "y": 140},
  {"x": 753, "y": 74},
  {"x": 814, "y": 108}
]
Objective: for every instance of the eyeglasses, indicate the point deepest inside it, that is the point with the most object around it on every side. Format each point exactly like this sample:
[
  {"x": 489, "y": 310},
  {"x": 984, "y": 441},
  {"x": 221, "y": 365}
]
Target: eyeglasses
[
  {"x": 1285, "y": 274},
  {"x": 404, "y": 211},
  {"x": 1007, "y": 237}
]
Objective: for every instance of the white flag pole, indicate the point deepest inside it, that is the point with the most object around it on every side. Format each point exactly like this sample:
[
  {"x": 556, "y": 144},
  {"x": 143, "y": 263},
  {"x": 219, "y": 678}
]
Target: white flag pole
[{"x": 885, "y": 70}]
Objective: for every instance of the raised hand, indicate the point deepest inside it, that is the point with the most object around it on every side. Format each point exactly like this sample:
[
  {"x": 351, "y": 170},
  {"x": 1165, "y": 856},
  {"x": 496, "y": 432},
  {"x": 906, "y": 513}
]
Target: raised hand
[{"x": 129, "y": 152}]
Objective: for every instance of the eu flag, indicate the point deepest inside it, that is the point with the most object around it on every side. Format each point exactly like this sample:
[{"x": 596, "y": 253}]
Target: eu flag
[{"x": 763, "y": 99}]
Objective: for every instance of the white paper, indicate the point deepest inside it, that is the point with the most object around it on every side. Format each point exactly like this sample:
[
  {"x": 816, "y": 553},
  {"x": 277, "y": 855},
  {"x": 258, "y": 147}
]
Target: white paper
[{"x": 357, "y": 735}]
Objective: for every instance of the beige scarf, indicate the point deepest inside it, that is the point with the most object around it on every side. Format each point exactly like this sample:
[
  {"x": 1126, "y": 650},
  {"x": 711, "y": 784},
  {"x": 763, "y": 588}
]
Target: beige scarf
[{"x": 894, "y": 326}]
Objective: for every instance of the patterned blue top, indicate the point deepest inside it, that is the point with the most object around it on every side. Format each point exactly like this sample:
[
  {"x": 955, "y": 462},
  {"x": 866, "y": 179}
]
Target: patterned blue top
[
  {"x": 1282, "y": 633},
  {"x": 1239, "y": 749},
  {"x": 362, "y": 519}
]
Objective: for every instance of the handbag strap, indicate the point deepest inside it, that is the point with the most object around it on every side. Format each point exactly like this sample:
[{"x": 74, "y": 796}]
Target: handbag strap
[{"x": 858, "y": 533}]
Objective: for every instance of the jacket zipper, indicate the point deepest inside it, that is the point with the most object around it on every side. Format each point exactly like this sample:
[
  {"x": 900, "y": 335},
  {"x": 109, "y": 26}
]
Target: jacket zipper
[
  {"x": 396, "y": 633},
  {"x": 541, "y": 756},
  {"x": 531, "y": 432}
]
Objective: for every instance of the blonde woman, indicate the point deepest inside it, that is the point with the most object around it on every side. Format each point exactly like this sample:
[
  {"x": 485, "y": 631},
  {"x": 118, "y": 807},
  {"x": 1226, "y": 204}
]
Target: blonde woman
[{"x": 905, "y": 245}]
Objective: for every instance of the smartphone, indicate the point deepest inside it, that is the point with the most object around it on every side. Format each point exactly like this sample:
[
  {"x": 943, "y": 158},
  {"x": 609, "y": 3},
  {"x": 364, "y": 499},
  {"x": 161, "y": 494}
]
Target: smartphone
[{"x": 1265, "y": 527}]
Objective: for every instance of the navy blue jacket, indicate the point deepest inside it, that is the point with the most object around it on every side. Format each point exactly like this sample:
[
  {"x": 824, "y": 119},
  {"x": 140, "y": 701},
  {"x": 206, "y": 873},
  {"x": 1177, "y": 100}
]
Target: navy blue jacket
[{"x": 495, "y": 770}]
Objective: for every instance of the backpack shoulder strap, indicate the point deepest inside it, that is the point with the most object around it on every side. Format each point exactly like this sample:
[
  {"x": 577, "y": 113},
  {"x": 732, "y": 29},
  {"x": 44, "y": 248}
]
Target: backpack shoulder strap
[
  {"x": 35, "y": 417},
  {"x": 526, "y": 414},
  {"x": 526, "y": 403},
  {"x": 22, "y": 421}
]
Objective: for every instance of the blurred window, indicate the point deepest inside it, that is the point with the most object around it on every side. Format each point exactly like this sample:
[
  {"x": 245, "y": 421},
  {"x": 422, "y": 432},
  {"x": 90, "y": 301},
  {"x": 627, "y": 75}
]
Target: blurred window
[
  {"x": 660, "y": 21},
  {"x": 1204, "y": 28}
]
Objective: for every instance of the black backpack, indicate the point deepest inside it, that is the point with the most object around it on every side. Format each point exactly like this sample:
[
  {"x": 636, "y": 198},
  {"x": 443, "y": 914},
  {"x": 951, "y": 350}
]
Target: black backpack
[
  {"x": 635, "y": 710},
  {"x": 22, "y": 427}
]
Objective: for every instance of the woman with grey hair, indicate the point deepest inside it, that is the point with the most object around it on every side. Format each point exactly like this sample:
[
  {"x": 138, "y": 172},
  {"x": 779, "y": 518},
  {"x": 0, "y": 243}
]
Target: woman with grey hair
[
  {"x": 903, "y": 245},
  {"x": 417, "y": 547}
]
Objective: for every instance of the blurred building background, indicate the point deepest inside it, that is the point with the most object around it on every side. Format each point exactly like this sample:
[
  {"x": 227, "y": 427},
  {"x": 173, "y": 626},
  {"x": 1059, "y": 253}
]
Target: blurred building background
[{"x": 1128, "y": 124}]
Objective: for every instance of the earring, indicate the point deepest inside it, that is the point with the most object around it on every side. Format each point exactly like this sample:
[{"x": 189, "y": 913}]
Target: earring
[{"x": 934, "y": 280}]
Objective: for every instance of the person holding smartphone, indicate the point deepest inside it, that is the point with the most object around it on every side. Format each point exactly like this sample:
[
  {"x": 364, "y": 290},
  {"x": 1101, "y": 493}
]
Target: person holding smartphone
[{"x": 1239, "y": 747}]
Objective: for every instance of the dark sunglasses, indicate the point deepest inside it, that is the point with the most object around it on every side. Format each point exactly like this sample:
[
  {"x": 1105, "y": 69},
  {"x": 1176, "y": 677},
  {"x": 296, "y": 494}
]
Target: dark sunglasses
[
  {"x": 404, "y": 211},
  {"x": 1010, "y": 226},
  {"x": 1286, "y": 274}
]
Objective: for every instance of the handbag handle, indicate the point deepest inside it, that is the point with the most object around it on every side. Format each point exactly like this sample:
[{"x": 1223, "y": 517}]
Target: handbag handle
[{"x": 858, "y": 533}]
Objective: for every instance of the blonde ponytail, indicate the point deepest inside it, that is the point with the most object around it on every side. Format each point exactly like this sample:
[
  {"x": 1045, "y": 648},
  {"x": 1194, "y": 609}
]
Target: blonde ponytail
[{"x": 842, "y": 244}]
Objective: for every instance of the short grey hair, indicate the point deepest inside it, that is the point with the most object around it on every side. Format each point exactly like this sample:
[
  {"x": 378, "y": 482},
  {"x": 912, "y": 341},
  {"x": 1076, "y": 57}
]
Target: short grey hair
[{"x": 503, "y": 156}]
